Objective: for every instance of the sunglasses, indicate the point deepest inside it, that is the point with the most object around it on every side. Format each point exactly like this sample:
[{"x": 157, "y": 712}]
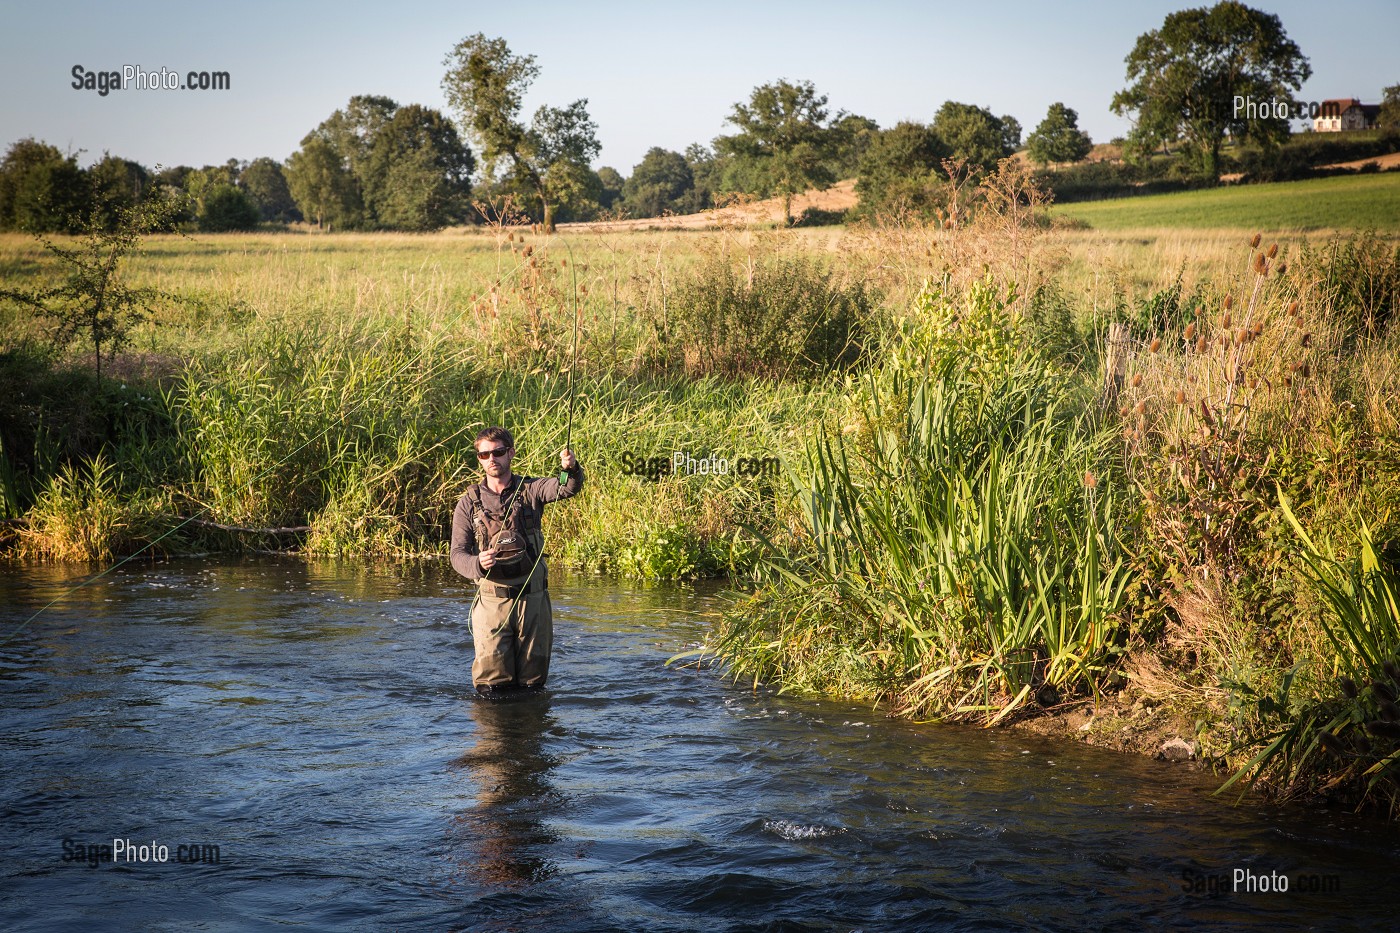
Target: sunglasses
[{"x": 488, "y": 454}]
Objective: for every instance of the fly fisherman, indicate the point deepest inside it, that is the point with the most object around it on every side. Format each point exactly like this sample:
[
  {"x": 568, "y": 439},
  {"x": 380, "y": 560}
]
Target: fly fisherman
[{"x": 498, "y": 543}]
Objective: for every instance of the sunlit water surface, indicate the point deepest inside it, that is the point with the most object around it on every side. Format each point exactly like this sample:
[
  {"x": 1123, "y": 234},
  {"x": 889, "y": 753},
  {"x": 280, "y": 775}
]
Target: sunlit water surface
[{"x": 316, "y": 725}]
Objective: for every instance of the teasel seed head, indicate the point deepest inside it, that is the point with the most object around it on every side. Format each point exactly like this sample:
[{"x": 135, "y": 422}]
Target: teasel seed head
[
  {"x": 1155, "y": 345},
  {"x": 1201, "y": 344},
  {"x": 1241, "y": 336},
  {"x": 1090, "y": 481},
  {"x": 1307, "y": 338},
  {"x": 1253, "y": 383},
  {"x": 1288, "y": 380},
  {"x": 1258, "y": 328},
  {"x": 1293, "y": 309},
  {"x": 1191, "y": 331},
  {"x": 1181, "y": 396},
  {"x": 1282, "y": 267},
  {"x": 1331, "y": 743},
  {"x": 1273, "y": 250},
  {"x": 1349, "y": 688},
  {"x": 1389, "y": 711},
  {"x": 1392, "y": 670},
  {"x": 1254, "y": 241},
  {"x": 1306, "y": 371},
  {"x": 1389, "y": 730},
  {"x": 510, "y": 237},
  {"x": 1137, "y": 380},
  {"x": 1229, "y": 302},
  {"x": 1140, "y": 407},
  {"x": 1226, "y": 321},
  {"x": 1381, "y": 688},
  {"x": 1261, "y": 265}
]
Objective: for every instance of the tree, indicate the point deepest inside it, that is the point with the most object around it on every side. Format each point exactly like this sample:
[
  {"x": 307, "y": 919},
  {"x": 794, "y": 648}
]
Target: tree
[
  {"x": 322, "y": 185},
  {"x": 41, "y": 189},
  {"x": 610, "y": 184},
  {"x": 658, "y": 183},
  {"x": 707, "y": 173},
  {"x": 485, "y": 84},
  {"x": 1058, "y": 138},
  {"x": 417, "y": 175},
  {"x": 851, "y": 136},
  {"x": 973, "y": 133},
  {"x": 900, "y": 170},
  {"x": 1389, "y": 116},
  {"x": 1186, "y": 78},
  {"x": 92, "y": 297},
  {"x": 226, "y": 208},
  {"x": 266, "y": 184},
  {"x": 783, "y": 144},
  {"x": 115, "y": 183}
]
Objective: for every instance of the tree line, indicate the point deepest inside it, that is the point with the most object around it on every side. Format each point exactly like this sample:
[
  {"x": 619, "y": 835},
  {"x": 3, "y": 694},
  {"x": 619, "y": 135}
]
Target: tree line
[{"x": 378, "y": 165}]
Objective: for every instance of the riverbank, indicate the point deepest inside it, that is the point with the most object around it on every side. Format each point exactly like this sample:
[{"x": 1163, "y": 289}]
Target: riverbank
[{"x": 1016, "y": 467}]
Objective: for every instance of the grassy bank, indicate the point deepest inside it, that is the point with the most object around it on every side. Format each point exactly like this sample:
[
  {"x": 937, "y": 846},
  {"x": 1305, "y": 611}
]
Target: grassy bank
[
  {"x": 1360, "y": 202},
  {"x": 970, "y": 520}
]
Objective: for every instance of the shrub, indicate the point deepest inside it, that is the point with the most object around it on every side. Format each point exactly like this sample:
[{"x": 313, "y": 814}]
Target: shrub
[{"x": 774, "y": 316}]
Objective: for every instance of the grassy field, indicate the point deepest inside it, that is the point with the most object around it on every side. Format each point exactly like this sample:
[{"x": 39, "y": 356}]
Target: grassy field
[
  {"x": 970, "y": 520},
  {"x": 1361, "y": 202}
]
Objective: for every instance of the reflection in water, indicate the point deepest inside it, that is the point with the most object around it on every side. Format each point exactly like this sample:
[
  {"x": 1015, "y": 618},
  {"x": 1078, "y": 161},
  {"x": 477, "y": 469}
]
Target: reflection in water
[{"x": 502, "y": 836}]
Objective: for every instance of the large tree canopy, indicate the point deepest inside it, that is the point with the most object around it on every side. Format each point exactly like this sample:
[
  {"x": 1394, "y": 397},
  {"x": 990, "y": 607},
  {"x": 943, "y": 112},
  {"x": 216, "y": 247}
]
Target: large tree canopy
[
  {"x": 485, "y": 84},
  {"x": 900, "y": 170},
  {"x": 658, "y": 184},
  {"x": 784, "y": 145},
  {"x": 1058, "y": 138},
  {"x": 418, "y": 172},
  {"x": 1187, "y": 75},
  {"x": 975, "y": 134}
]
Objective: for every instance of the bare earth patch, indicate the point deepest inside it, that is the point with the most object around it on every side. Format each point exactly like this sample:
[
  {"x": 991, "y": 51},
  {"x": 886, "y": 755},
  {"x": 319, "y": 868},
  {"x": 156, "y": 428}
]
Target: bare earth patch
[{"x": 839, "y": 197}]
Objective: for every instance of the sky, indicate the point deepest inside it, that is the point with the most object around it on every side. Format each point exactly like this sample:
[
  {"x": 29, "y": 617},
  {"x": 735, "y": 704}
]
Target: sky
[{"x": 654, "y": 73}]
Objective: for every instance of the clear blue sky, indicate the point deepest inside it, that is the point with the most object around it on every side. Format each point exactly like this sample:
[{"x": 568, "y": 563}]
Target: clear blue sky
[{"x": 655, "y": 74}]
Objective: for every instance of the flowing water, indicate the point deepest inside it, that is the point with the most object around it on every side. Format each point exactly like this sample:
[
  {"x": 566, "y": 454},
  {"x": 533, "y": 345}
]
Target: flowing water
[{"x": 315, "y": 725}]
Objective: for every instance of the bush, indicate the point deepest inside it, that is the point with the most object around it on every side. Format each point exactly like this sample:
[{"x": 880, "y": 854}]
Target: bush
[
  {"x": 818, "y": 217},
  {"x": 775, "y": 316},
  {"x": 227, "y": 208}
]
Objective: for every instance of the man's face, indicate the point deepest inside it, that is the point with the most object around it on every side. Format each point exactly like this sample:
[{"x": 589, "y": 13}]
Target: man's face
[{"x": 494, "y": 457}]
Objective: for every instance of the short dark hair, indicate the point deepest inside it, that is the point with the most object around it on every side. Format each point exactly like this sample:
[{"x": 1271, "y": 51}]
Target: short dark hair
[{"x": 495, "y": 435}]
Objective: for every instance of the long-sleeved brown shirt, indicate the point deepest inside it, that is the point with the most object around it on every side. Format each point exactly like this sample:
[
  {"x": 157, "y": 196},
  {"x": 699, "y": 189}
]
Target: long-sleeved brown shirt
[{"x": 466, "y": 549}]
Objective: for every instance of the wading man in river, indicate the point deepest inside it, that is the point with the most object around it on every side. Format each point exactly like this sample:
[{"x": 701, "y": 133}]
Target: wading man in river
[{"x": 497, "y": 542}]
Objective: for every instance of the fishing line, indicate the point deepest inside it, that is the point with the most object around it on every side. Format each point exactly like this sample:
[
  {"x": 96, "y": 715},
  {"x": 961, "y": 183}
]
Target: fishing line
[{"x": 409, "y": 364}]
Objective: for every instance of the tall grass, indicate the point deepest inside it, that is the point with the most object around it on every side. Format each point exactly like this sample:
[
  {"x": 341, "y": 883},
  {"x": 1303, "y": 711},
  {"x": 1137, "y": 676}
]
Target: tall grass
[{"x": 961, "y": 546}]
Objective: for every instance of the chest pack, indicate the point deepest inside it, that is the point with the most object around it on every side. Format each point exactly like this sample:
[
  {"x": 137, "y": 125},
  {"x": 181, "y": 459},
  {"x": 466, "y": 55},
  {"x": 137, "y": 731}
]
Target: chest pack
[{"x": 514, "y": 532}]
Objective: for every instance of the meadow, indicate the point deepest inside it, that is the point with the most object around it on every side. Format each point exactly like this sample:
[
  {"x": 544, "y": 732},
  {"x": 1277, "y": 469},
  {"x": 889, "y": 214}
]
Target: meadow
[
  {"x": 1023, "y": 469},
  {"x": 1346, "y": 202}
]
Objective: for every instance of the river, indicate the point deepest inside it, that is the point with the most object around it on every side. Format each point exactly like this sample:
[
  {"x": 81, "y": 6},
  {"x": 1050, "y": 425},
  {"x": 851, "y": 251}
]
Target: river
[{"x": 301, "y": 743}]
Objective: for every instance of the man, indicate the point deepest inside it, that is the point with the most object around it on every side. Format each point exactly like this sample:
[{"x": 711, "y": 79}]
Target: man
[{"x": 497, "y": 542}]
